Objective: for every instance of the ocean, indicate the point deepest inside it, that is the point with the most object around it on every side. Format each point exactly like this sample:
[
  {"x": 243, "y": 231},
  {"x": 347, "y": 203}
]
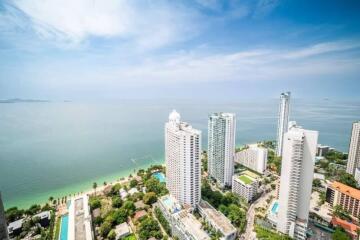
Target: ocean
[{"x": 59, "y": 148}]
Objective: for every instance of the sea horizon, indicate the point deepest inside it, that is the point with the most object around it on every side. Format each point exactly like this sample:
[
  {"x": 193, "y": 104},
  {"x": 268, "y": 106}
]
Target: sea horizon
[{"x": 60, "y": 148}]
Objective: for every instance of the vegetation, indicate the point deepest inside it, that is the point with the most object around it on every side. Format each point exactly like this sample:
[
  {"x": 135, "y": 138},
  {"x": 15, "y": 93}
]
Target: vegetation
[
  {"x": 164, "y": 223},
  {"x": 316, "y": 183},
  {"x": 339, "y": 212},
  {"x": 262, "y": 233},
  {"x": 94, "y": 202},
  {"x": 348, "y": 179},
  {"x": 154, "y": 185},
  {"x": 274, "y": 162},
  {"x": 150, "y": 198},
  {"x": 229, "y": 204},
  {"x": 340, "y": 234},
  {"x": 148, "y": 228}
]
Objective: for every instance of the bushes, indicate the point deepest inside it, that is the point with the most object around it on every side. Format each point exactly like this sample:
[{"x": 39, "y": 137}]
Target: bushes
[
  {"x": 94, "y": 202},
  {"x": 164, "y": 223},
  {"x": 148, "y": 228},
  {"x": 149, "y": 198}
]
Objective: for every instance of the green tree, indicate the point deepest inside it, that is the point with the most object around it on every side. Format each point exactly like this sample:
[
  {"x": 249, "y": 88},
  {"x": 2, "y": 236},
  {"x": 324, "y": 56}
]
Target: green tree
[
  {"x": 94, "y": 187},
  {"x": 105, "y": 228},
  {"x": 340, "y": 234},
  {"x": 348, "y": 179},
  {"x": 149, "y": 198},
  {"x": 316, "y": 183},
  {"x": 116, "y": 202},
  {"x": 133, "y": 183},
  {"x": 148, "y": 228}
]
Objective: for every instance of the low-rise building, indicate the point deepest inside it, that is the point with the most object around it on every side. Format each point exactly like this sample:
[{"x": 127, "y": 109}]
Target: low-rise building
[
  {"x": 183, "y": 223},
  {"x": 349, "y": 227},
  {"x": 322, "y": 150},
  {"x": 122, "y": 230},
  {"x": 15, "y": 228},
  {"x": 245, "y": 186},
  {"x": 347, "y": 197},
  {"x": 140, "y": 215},
  {"x": 44, "y": 218},
  {"x": 253, "y": 157},
  {"x": 217, "y": 220}
]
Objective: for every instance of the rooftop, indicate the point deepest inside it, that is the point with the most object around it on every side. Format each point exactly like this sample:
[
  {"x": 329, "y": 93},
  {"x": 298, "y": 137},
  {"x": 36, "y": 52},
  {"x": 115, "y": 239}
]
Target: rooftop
[
  {"x": 42, "y": 215},
  {"x": 192, "y": 225},
  {"x": 122, "y": 229},
  {"x": 246, "y": 179},
  {"x": 140, "y": 214},
  {"x": 350, "y": 191},
  {"x": 348, "y": 226},
  {"x": 218, "y": 218}
]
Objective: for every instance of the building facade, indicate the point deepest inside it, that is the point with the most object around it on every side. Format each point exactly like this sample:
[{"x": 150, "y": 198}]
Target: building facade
[
  {"x": 221, "y": 147},
  {"x": 245, "y": 186},
  {"x": 3, "y": 226},
  {"x": 297, "y": 170},
  {"x": 283, "y": 120},
  {"x": 182, "y": 158},
  {"x": 253, "y": 157},
  {"x": 345, "y": 196},
  {"x": 354, "y": 149}
]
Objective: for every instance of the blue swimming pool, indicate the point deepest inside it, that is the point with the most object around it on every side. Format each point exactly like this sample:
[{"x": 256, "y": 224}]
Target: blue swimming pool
[
  {"x": 275, "y": 208},
  {"x": 160, "y": 176},
  {"x": 64, "y": 227}
]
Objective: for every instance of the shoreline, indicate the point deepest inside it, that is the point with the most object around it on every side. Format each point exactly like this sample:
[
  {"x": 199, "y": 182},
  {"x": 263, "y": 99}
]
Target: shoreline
[{"x": 70, "y": 190}]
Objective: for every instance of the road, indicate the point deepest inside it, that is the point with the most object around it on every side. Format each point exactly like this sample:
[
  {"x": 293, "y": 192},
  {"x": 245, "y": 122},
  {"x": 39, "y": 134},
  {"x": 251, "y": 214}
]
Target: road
[{"x": 250, "y": 217}]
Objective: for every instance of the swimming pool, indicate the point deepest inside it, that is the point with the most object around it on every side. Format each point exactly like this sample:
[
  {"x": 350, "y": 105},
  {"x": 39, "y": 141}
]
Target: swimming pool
[
  {"x": 275, "y": 208},
  {"x": 160, "y": 176},
  {"x": 64, "y": 227}
]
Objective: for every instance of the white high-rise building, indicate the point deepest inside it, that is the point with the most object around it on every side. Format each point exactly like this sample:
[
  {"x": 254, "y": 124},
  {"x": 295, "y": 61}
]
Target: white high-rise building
[
  {"x": 182, "y": 158},
  {"x": 221, "y": 147},
  {"x": 354, "y": 149},
  {"x": 253, "y": 157},
  {"x": 283, "y": 120},
  {"x": 297, "y": 170}
]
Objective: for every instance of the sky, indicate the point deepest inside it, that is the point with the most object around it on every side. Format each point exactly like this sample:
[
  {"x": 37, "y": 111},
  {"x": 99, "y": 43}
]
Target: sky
[{"x": 208, "y": 49}]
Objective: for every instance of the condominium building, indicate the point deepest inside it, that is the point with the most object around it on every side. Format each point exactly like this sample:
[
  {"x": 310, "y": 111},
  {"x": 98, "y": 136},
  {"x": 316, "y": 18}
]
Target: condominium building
[
  {"x": 221, "y": 147},
  {"x": 354, "y": 149},
  {"x": 182, "y": 158},
  {"x": 3, "y": 226},
  {"x": 297, "y": 170},
  {"x": 245, "y": 186},
  {"x": 283, "y": 120},
  {"x": 253, "y": 157},
  {"x": 345, "y": 196}
]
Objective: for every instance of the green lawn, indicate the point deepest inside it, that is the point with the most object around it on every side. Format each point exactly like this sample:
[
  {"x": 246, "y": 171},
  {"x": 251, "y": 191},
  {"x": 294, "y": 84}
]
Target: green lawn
[
  {"x": 245, "y": 179},
  {"x": 130, "y": 237}
]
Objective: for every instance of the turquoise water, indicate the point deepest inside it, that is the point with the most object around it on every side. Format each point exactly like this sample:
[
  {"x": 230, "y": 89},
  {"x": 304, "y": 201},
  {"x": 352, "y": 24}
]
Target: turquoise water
[
  {"x": 275, "y": 208},
  {"x": 64, "y": 227},
  {"x": 159, "y": 176},
  {"x": 53, "y": 149}
]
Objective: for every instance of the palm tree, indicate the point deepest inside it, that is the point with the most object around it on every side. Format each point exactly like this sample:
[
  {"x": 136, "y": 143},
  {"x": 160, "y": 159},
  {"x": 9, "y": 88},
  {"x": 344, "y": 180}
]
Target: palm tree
[
  {"x": 51, "y": 198},
  {"x": 94, "y": 187}
]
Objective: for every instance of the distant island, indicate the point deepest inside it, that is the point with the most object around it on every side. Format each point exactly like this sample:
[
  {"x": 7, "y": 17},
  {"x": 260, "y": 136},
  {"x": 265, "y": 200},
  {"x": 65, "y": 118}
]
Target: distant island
[{"x": 20, "y": 100}]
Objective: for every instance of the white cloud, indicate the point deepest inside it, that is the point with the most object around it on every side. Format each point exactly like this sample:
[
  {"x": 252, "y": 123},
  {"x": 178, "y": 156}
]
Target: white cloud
[{"x": 148, "y": 24}]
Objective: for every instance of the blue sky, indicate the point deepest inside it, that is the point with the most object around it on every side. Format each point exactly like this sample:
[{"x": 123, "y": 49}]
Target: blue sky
[{"x": 114, "y": 49}]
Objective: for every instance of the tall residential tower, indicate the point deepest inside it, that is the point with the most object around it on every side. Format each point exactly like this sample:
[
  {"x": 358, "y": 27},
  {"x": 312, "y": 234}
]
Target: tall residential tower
[
  {"x": 283, "y": 120},
  {"x": 297, "y": 171},
  {"x": 354, "y": 149},
  {"x": 221, "y": 147},
  {"x": 182, "y": 158}
]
